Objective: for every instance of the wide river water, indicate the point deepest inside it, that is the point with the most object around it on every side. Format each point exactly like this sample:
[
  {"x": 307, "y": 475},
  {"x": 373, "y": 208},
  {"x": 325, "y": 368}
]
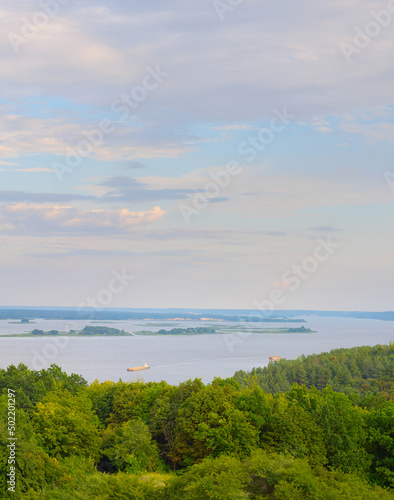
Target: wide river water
[{"x": 176, "y": 358}]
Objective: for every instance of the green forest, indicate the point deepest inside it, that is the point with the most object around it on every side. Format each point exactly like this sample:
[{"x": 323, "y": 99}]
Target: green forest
[
  {"x": 87, "y": 331},
  {"x": 319, "y": 427},
  {"x": 187, "y": 331}
]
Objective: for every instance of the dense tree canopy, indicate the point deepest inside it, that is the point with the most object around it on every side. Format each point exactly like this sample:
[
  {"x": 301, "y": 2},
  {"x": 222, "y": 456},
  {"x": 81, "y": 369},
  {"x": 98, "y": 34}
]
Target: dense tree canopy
[
  {"x": 362, "y": 370},
  {"x": 280, "y": 432}
]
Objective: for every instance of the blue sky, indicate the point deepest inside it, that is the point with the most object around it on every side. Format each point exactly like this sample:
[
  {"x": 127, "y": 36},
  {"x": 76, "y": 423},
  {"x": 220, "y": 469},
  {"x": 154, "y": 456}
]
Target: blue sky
[{"x": 119, "y": 121}]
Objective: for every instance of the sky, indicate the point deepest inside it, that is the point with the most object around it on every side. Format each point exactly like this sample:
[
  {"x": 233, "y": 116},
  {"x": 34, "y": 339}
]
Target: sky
[{"x": 197, "y": 154}]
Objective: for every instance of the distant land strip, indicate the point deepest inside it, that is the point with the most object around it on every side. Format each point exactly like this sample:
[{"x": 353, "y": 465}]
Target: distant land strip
[
  {"x": 249, "y": 315},
  {"x": 103, "y": 331}
]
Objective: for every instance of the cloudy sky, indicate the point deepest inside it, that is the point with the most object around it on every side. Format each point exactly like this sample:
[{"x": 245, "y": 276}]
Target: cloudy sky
[{"x": 205, "y": 147}]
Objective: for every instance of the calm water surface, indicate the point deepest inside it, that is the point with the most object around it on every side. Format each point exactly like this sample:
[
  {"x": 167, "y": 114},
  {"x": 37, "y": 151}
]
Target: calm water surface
[{"x": 178, "y": 358}]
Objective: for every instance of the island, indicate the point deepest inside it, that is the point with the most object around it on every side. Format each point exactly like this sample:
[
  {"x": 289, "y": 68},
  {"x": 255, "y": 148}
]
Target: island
[
  {"x": 88, "y": 331},
  {"x": 300, "y": 329},
  {"x": 223, "y": 330},
  {"x": 102, "y": 330},
  {"x": 23, "y": 321},
  {"x": 186, "y": 331},
  {"x": 105, "y": 331}
]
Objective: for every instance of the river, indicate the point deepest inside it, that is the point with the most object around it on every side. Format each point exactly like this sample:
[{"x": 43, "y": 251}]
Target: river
[{"x": 176, "y": 358}]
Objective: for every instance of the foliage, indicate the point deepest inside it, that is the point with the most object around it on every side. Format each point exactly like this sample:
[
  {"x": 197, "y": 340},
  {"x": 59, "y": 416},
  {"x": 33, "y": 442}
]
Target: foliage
[
  {"x": 102, "y": 330},
  {"x": 102, "y": 396},
  {"x": 281, "y": 477},
  {"x": 134, "y": 400},
  {"x": 67, "y": 426},
  {"x": 129, "y": 447},
  {"x": 216, "y": 479},
  {"x": 362, "y": 370},
  {"x": 255, "y": 436},
  {"x": 186, "y": 331},
  {"x": 208, "y": 423},
  {"x": 380, "y": 443},
  {"x": 31, "y": 386}
]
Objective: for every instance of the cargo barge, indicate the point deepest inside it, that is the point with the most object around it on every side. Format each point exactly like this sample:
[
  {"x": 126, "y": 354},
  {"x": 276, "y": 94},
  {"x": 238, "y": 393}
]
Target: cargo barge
[{"x": 138, "y": 368}]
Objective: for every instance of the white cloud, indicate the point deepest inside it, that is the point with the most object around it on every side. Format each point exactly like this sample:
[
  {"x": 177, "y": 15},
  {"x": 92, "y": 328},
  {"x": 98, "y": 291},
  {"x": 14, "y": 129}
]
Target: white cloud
[
  {"x": 7, "y": 163},
  {"x": 34, "y": 170},
  {"x": 96, "y": 53},
  {"x": 26, "y": 136},
  {"x": 43, "y": 219},
  {"x": 241, "y": 126},
  {"x": 223, "y": 76},
  {"x": 271, "y": 194},
  {"x": 374, "y": 126}
]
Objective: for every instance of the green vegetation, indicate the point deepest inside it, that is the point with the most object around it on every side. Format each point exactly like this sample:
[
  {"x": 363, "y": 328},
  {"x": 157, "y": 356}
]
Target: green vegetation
[
  {"x": 107, "y": 331},
  {"x": 22, "y": 321},
  {"x": 101, "y": 330},
  {"x": 361, "y": 370},
  {"x": 224, "y": 329},
  {"x": 244, "y": 437},
  {"x": 41, "y": 332},
  {"x": 254, "y": 330},
  {"x": 105, "y": 314},
  {"x": 87, "y": 331},
  {"x": 186, "y": 331}
]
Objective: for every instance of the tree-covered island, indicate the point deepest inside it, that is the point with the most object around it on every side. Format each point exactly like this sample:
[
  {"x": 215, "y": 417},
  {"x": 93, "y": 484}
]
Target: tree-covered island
[
  {"x": 88, "y": 331},
  {"x": 222, "y": 330},
  {"x": 104, "y": 331}
]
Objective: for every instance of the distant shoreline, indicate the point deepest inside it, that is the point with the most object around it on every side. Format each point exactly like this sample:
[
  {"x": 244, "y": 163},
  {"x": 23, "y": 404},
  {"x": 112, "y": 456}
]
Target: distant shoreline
[
  {"x": 112, "y": 332},
  {"x": 183, "y": 314}
]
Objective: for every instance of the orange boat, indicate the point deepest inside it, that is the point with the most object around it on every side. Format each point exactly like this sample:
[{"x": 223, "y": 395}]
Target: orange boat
[{"x": 138, "y": 368}]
